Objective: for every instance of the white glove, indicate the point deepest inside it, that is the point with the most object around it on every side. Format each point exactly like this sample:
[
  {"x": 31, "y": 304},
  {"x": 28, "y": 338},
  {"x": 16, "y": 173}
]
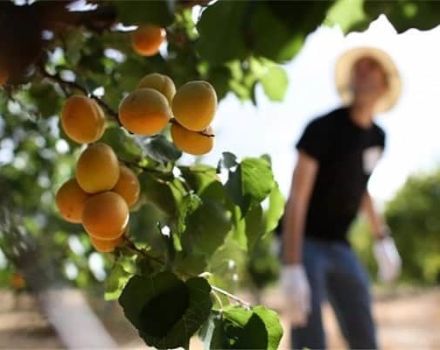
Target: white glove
[
  {"x": 296, "y": 291},
  {"x": 388, "y": 259}
]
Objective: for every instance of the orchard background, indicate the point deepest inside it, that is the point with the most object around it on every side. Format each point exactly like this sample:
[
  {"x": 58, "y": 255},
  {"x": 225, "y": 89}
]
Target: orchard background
[{"x": 199, "y": 232}]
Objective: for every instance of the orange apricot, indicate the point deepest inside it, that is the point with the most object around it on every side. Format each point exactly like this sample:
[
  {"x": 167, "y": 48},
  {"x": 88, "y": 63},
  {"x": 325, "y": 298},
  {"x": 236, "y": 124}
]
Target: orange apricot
[
  {"x": 159, "y": 82},
  {"x": 105, "y": 246},
  {"x": 147, "y": 38},
  {"x": 82, "y": 119},
  {"x": 97, "y": 169},
  {"x": 128, "y": 186},
  {"x": 144, "y": 112},
  {"x": 105, "y": 216},
  {"x": 192, "y": 142},
  {"x": 194, "y": 105},
  {"x": 70, "y": 200}
]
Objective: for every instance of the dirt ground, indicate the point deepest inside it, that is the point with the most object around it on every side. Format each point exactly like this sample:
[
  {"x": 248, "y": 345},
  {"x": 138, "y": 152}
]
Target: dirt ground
[{"x": 407, "y": 319}]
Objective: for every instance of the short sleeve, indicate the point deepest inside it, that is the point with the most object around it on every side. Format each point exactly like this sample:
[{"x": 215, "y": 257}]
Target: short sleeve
[{"x": 314, "y": 140}]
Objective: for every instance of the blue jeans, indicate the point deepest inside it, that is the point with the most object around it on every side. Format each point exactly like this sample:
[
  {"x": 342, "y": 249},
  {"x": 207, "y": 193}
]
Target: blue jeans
[{"x": 334, "y": 271}]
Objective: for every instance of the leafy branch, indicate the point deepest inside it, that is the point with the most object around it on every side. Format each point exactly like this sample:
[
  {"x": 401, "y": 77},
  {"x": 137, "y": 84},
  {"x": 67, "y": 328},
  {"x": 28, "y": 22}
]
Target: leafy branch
[{"x": 215, "y": 289}]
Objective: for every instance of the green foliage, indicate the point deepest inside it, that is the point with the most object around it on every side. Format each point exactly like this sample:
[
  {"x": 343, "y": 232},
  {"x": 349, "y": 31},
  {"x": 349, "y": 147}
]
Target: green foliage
[
  {"x": 165, "y": 310},
  {"x": 188, "y": 223},
  {"x": 257, "y": 328},
  {"x": 413, "y": 217}
]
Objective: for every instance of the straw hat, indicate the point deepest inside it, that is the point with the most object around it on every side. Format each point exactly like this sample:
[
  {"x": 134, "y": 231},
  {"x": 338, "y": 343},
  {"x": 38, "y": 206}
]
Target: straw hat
[{"x": 343, "y": 76}]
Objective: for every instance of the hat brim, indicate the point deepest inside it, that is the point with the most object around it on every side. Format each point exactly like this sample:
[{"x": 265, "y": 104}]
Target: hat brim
[{"x": 343, "y": 76}]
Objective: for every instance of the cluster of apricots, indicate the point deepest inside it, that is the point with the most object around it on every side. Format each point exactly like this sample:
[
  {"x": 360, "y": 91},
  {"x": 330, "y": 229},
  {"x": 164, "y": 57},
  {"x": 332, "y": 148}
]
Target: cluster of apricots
[
  {"x": 102, "y": 192},
  {"x": 155, "y": 102},
  {"x": 100, "y": 196}
]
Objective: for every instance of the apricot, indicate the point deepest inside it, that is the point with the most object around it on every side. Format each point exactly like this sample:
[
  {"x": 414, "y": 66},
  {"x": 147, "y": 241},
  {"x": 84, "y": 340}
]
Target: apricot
[
  {"x": 97, "y": 169},
  {"x": 194, "y": 105},
  {"x": 144, "y": 112},
  {"x": 70, "y": 200},
  {"x": 128, "y": 186},
  {"x": 105, "y": 216},
  {"x": 192, "y": 142},
  {"x": 82, "y": 119},
  {"x": 147, "y": 38},
  {"x": 159, "y": 82},
  {"x": 105, "y": 246}
]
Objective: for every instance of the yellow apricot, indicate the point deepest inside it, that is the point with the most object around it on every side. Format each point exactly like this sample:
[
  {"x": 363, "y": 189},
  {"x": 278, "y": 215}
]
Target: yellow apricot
[
  {"x": 147, "y": 38},
  {"x": 105, "y": 246},
  {"x": 194, "y": 105},
  {"x": 192, "y": 142},
  {"x": 128, "y": 186},
  {"x": 159, "y": 82},
  {"x": 17, "y": 281},
  {"x": 105, "y": 216},
  {"x": 144, "y": 112},
  {"x": 70, "y": 200},
  {"x": 82, "y": 119},
  {"x": 97, "y": 169}
]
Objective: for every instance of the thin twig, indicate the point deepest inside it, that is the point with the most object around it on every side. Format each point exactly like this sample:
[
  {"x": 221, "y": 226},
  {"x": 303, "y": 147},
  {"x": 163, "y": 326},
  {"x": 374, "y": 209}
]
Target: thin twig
[
  {"x": 231, "y": 296},
  {"x": 74, "y": 85}
]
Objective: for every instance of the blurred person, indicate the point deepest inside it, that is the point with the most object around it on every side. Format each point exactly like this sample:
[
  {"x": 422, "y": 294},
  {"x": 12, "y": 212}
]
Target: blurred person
[{"x": 336, "y": 156}]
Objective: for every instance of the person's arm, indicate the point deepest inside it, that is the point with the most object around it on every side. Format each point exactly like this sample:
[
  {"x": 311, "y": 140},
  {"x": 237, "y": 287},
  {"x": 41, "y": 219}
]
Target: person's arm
[
  {"x": 297, "y": 205},
  {"x": 377, "y": 223}
]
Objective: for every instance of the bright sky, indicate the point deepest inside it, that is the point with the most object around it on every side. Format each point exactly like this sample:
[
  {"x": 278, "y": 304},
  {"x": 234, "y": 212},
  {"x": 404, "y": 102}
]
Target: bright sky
[{"x": 412, "y": 127}]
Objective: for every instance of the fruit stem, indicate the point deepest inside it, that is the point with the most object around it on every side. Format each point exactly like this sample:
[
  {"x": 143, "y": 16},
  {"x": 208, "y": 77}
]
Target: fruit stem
[{"x": 74, "y": 85}]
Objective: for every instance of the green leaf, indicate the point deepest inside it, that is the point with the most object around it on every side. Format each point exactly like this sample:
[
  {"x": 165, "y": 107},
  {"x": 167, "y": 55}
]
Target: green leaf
[
  {"x": 207, "y": 227},
  {"x": 228, "y": 161},
  {"x": 188, "y": 205},
  {"x": 348, "y": 14},
  {"x": 190, "y": 263},
  {"x": 220, "y": 30},
  {"x": 199, "y": 176},
  {"x": 139, "y": 12},
  {"x": 255, "y": 226},
  {"x": 158, "y": 193},
  {"x": 275, "y": 83},
  {"x": 250, "y": 183},
  {"x": 115, "y": 282},
  {"x": 274, "y": 39},
  {"x": 165, "y": 310},
  {"x": 275, "y": 210},
  {"x": 161, "y": 149},
  {"x": 258, "y": 328},
  {"x": 125, "y": 146}
]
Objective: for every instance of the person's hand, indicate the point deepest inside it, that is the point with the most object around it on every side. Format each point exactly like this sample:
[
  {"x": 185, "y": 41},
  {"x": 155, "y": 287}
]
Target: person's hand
[
  {"x": 296, "y": 291},
  {"x": 388, "y": 259}
]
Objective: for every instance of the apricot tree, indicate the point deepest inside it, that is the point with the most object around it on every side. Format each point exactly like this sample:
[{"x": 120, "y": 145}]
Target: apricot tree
[{"x": 103, "y": 79}]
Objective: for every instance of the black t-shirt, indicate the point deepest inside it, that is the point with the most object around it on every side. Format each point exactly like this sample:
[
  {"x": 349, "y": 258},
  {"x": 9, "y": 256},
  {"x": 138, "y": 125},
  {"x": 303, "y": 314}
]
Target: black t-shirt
[{"x": 347, "y": 155}]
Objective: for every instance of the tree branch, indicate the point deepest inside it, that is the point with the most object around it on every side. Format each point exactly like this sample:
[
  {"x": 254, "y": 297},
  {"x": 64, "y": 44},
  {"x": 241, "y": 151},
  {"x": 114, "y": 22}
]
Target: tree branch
[
  {"x": 230, "y": 296},
  {"x": 74, "y": 85}
]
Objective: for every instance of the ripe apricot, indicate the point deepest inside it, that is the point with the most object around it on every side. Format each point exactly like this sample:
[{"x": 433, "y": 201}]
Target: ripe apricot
[
  {"x": 127, "y": 186},
  {"x": 194, "y": 105},
  {"x": 159, "y": 82},
  {"x": 192, "y": 142},
  {"x": 144, "y": 112},
  {"x": 105, "y": 246},
  {"x": 105, "y": 216},
  {"x": 70, "y": 200},
  {"x": 147, "y": 38},
  {"x": 82, "y": 119},
  {"x": 97, "y": 169}
]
